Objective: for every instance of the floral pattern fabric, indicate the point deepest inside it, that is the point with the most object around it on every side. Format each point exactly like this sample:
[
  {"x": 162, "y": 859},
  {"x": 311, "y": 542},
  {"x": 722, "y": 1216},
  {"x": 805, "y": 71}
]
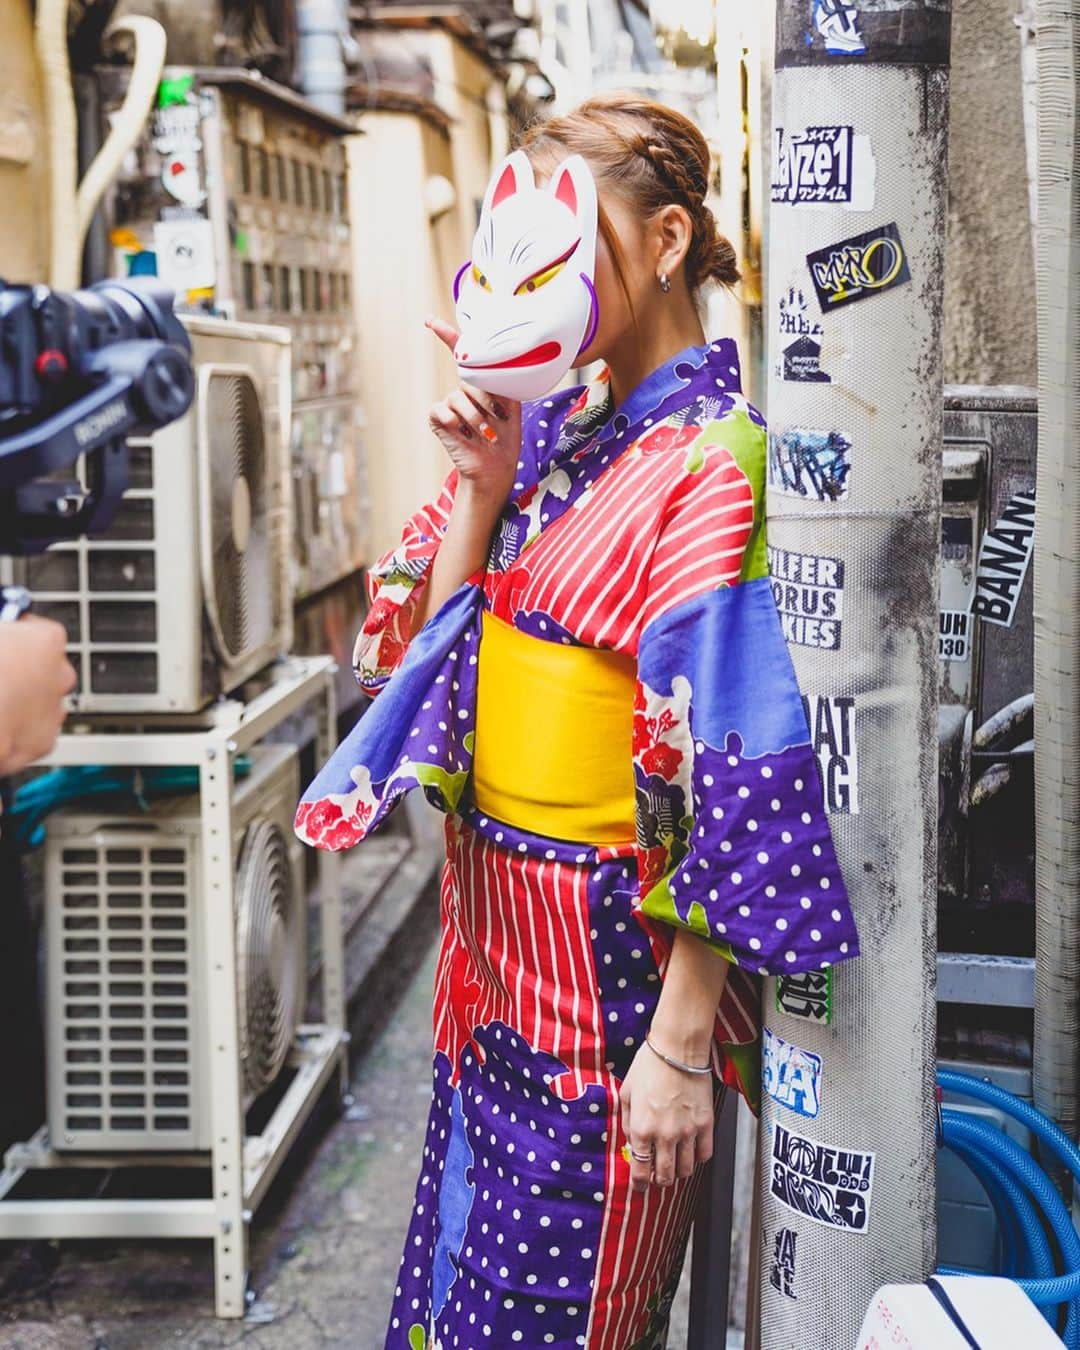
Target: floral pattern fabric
[{"x": 638, "y": 529}]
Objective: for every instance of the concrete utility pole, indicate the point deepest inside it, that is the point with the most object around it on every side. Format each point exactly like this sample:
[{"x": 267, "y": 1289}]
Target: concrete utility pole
[
  {"x": 1057, "y": 575},
  {"x": 853, "y": 321}
]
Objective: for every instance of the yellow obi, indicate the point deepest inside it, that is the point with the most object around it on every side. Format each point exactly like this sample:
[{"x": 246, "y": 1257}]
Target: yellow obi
[{"x": 554, "y": 736}]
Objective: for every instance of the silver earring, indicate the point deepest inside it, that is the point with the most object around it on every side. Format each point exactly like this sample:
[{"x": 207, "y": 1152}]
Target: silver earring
[{"x": 665, "y": 282}]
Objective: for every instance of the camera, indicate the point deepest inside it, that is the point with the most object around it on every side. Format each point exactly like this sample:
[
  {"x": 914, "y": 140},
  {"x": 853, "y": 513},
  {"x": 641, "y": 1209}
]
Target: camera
[{"x": 80, "y": 371}]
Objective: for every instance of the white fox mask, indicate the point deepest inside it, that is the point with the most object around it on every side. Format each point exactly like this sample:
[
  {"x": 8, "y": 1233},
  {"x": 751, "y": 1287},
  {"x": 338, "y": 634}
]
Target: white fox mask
[{"x": 526, "y": 303}]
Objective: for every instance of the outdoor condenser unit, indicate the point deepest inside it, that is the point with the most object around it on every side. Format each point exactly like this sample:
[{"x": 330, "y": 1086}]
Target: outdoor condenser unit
[
  {"x": 188, "y": 593},
  {"x": 127, "y": 1040}
]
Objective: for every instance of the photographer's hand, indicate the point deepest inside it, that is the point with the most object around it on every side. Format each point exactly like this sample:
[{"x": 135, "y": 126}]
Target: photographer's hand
[{"x": 35, "y": 678}]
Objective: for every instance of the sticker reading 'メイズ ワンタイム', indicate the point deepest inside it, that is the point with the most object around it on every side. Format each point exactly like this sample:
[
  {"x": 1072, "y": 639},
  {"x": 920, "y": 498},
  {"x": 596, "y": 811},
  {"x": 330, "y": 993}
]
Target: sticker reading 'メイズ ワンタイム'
[
  {"x": 829, "y": 1185},
  {"x": 1003, "y": 561},
  {"x": 864, "y": 265},
  {"x": 823, "y": 166},
  {"x": 809, "y": 463},
  {"x": 800, "y": 341},
  {"x": 809, "y": 592},
  {"x": 790, "y": 1075},
  {"x": 807, "y": 995}
]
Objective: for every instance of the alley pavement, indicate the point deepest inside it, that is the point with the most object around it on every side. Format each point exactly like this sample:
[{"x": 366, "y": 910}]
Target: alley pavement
[{"x": 325, "y": 1246}]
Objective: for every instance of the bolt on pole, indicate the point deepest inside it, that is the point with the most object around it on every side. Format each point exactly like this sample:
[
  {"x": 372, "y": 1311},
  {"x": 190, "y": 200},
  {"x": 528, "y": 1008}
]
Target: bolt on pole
[{"x": 854, "y": 330}]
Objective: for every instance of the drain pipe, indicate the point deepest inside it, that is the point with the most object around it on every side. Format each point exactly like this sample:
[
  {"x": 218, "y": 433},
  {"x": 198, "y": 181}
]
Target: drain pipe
[
  {"x": 855, "y": 406},
  {"x": 323, "y": 35},
  {"x": 1057, "y": 554}
]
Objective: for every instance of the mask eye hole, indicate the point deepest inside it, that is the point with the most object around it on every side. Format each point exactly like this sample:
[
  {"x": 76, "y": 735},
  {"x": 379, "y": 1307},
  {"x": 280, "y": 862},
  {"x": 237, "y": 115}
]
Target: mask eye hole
[
  {"x": 480, "y": 279},
  {"x": 541, "y": 279}
]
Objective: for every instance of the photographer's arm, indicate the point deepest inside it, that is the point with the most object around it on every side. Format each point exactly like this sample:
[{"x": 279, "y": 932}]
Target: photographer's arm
[{"x": 35, "y": 678}]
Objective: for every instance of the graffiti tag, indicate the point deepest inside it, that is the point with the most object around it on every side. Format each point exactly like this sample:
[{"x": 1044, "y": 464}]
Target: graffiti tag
[
  {"x": 790, "y": 1075},
  {"x": 864, "y": 265}
]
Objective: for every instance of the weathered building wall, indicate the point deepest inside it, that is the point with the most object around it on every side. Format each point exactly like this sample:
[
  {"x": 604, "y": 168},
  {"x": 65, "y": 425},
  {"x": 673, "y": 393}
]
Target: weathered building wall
[
  {"x": 24, "y": 187},
  {"x": 989, "y": 263}
]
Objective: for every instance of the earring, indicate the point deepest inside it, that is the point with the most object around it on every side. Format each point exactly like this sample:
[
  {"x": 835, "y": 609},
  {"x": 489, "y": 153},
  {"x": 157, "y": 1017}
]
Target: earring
[{"x": 665, "y": 282}]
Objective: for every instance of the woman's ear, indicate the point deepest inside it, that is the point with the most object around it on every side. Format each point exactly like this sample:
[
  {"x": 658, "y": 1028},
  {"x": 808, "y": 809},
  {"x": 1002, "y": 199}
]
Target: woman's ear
[{"x": 673, "y": 232}]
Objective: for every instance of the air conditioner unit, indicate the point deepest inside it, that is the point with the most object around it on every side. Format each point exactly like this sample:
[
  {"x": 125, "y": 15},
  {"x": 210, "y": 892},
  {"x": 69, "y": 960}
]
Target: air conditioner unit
[
  {"x": 188, "y": 593},
  {"x": 127, "y": 1040}
]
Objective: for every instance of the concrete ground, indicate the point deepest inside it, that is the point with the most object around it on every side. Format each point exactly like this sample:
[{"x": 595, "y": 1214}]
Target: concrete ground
[{"x": 325, "y": 1246}]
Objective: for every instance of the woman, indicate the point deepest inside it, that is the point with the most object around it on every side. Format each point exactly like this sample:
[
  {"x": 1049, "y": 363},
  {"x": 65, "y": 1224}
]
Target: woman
[{"x": 581, "y": 662}]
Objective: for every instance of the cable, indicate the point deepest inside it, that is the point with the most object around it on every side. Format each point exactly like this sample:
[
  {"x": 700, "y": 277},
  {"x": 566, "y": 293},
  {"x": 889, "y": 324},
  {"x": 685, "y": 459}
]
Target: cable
[{"x": 49, "y": 792}]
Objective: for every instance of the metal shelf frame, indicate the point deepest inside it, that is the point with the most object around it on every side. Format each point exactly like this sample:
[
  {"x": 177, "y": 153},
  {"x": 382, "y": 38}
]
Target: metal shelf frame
[{"x": 242, "y": 1167}]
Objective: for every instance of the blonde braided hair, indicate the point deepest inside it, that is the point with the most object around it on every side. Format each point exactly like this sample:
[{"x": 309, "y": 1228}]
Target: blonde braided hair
[{"x": 650, "y": 155}]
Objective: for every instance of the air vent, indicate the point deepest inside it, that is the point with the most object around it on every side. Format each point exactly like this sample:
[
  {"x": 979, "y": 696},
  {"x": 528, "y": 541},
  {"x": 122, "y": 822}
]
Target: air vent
[{"x": 125, "y": 1013}]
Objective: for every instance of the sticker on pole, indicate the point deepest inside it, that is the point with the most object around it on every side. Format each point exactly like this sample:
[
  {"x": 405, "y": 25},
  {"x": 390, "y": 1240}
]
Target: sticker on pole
[
  {"x": 1003, "y": 561},
  {"x": 807, "y": 995},
  {"x": 856, "y": 268},
  {"x": 810, "y": 463},
  {"x": 809, "y": 592},
  {"x": 829, "y": 1185},
  {"x": 954, "y": 635},
  {"x": 800, "y": 338},
  {"x": 838, "y": 23},
  {"x": 790, "y": 1075},
  {"x": 782, "y": 1269},
  {"x": 831, "y": 720},
  {"x": 823, "y": 166}
]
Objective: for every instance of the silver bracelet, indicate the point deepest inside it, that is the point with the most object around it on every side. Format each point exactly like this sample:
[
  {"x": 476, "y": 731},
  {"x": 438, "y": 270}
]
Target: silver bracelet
[{"x": 677, "y": 1063}]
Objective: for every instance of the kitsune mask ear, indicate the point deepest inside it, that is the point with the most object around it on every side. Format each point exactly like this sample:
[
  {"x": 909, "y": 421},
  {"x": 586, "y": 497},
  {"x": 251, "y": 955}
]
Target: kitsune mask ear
[{"x": 526, "y": 302}]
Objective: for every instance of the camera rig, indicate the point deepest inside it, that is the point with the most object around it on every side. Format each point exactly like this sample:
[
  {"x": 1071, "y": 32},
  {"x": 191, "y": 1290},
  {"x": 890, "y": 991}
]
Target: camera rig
[{"x": 80, "y": 371}]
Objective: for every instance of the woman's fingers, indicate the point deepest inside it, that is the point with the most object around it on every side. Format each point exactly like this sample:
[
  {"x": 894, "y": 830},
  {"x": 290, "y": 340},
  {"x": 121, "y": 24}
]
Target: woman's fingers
[
  {"x": 703, "y": 1144},
  {"x": 445, "y": 332},
  {"x": 475, "y": 417},
  {"x": 488, "y": 404},
  {"x": 443, "y": 417},
  {"x": 664, "y": 1162},
  {"x": 686, "y": 1158}
]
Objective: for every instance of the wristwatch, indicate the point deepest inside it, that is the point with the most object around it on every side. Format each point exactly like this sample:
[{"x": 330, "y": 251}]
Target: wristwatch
[{"x": 15, "y": 601}]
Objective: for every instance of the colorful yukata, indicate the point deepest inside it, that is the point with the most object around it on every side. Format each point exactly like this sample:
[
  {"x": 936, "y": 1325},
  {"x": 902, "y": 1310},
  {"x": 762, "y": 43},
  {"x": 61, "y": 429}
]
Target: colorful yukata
[{"x": 639, "y": 532}]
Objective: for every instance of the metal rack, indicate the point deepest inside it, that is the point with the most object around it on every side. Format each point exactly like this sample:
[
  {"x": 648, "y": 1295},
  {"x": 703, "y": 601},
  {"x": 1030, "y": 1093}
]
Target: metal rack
[{"x": 242, "y": 1166}]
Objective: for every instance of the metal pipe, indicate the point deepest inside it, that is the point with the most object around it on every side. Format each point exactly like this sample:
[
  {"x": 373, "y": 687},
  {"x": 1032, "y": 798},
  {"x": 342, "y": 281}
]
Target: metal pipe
[
  {"x": 855, "y": 408},
  {"x": 1057, "y": 576},
  {"x": 322, "y": 28}
]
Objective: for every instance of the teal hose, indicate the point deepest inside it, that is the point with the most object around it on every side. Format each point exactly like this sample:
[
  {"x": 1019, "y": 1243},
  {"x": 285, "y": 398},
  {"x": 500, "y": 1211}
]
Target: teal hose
[{"x": 40, "y": 796}]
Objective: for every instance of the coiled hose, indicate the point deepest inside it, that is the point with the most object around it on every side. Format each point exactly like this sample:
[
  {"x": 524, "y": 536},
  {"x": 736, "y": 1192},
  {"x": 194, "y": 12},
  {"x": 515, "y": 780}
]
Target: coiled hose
[{"x": 1024, "y": 1199}]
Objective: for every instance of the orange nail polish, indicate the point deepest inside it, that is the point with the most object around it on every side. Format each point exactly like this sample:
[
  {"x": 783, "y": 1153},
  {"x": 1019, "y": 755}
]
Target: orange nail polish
[{"x": 489, "y": 433}]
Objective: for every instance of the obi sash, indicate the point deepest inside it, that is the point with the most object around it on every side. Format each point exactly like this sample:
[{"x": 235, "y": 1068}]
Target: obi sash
[{"x": 554, "y": 736}]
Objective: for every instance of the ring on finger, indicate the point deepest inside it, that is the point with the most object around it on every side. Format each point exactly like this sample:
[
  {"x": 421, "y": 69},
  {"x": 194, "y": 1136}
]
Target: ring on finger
[{"x": 641, "y": 1157}]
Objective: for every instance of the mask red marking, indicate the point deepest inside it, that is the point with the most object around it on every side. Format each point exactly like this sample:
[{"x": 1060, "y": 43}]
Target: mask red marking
[{"x": 538, "y": 356}]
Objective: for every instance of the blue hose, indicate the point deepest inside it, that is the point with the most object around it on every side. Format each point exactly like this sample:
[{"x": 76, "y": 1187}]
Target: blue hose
[
  {"x": 978, "y": 1089},
  {"x": 1010, "y": 1175},
  {"x": 1027, "y": 1250},
  {"x": 1014, "y": 1210}
]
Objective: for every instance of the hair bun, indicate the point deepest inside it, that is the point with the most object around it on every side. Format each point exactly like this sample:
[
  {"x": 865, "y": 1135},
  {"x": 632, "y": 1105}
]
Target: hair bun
[{"x": 716, "y": 256}]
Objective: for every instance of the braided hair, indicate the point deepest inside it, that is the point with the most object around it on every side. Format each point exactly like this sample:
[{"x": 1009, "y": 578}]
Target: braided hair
[{"x": 652, "y": 156}]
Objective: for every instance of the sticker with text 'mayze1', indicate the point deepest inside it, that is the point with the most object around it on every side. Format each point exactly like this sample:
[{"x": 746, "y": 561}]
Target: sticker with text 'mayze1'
[{"x": 864, "y": 265}]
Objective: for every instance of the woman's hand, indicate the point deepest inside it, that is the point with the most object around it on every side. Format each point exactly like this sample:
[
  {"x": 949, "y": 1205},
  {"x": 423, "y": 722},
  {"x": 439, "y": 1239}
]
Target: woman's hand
[
  {"x": 481, "y": 433},
  {"x": 667, "y": 1114}
]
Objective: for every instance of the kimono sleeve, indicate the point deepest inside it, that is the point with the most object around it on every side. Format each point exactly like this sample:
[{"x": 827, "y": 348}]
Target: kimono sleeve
[
  {"x": 733, "y": 841},
  {"x": 395, "y": 584}
]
